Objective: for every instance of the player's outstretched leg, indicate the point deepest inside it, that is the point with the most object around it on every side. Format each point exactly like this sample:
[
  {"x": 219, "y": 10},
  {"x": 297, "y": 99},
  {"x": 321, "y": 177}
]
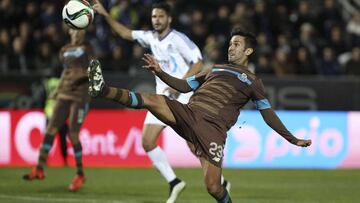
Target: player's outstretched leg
[
  {"x": 155, "y": 103},
  {"x": 98, "y": 88}
]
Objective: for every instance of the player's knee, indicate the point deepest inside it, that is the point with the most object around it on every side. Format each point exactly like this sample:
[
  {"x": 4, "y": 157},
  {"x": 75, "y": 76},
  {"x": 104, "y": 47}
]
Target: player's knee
[
  {"x": 152, "y": 100},
  {"x": 214, "y": 190},
  {"x": 213, "y": 187},
  {"x": 148, "y": 144}
]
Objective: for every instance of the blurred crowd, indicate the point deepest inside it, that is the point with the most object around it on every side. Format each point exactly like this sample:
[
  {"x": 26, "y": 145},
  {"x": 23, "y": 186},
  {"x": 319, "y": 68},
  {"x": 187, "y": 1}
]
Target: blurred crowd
[{"x": 295, "y": 37}]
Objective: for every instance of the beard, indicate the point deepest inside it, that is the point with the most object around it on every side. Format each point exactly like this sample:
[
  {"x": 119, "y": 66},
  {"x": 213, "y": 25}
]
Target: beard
[{"x": 159, "y": 28}]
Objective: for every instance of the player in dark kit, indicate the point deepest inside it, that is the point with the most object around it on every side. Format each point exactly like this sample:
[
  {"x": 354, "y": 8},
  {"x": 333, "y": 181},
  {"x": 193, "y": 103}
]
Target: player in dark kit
[
  {"x": 219, "y": 95},
  {"x": 72, "y": 101}
]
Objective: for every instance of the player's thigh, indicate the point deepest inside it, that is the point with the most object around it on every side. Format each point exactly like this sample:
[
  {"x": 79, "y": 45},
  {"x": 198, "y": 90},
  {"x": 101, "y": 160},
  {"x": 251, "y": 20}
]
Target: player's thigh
[
  {"x": 191, "y": 147},
  {"x": 157, "y": 105},
  {"x": 59, "y": 116}
]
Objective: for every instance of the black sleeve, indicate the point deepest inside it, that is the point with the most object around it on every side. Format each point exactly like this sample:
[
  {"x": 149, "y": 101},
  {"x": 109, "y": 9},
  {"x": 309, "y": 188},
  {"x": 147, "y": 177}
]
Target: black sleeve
[{"x": 275, "y": 123}]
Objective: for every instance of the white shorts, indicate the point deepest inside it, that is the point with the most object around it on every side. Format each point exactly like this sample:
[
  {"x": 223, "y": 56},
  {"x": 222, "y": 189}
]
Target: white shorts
[{"x": 151, "y": 119}]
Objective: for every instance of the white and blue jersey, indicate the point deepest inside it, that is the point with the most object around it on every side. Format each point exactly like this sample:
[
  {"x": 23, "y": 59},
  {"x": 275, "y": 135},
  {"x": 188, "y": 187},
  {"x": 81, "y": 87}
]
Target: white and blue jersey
[{"x": 175, "y": 52}]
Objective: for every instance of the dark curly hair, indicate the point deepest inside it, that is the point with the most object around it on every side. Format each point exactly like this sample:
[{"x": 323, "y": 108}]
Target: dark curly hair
[
  {"x": 250, "y": 38},
  {"x": 164, "y": 6}
]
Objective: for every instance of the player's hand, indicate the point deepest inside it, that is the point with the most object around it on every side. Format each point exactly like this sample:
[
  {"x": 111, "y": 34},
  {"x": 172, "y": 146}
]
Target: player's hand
[
  {"x": 303, "y": 143},
  {"x": 172, "y": 92},
  {"x": 151, "y": 64},
  {"x": 99, "y": 8}
]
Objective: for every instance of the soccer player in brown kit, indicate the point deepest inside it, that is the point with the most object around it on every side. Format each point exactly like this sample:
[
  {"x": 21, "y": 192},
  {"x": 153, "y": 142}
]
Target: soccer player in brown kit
[
  {"x": 219, "y": 95},
  {"x": 179, "y": 57},
  {"x": 72, "y": 101}
]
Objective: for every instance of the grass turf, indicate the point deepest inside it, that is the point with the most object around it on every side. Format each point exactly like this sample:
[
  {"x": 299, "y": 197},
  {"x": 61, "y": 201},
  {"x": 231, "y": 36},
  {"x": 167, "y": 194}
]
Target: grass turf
[{"x": 111, "y": 185}]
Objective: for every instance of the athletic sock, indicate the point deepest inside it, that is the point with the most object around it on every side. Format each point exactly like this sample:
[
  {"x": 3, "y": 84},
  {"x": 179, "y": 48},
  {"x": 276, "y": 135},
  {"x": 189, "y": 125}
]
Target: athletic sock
[
  {"x": 161, "y": 163},
  {"x": 78, "y": 158},
  {"x": 44, "y": 150},
  {"x": 225, "y": 198},
  {"x": 123, "y": 96},
  {"x": 174, "y": 182}
]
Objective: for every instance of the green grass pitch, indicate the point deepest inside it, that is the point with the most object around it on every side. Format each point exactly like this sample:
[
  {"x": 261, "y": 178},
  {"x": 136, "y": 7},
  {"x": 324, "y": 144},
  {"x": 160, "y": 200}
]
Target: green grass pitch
[{"x": 114, "y": 185}]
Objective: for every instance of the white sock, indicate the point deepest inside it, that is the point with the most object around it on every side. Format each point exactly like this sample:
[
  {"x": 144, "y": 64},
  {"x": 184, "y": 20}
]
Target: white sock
[
  {"x": 222, "y": 179},
  {"x": 158, "y": 157}
]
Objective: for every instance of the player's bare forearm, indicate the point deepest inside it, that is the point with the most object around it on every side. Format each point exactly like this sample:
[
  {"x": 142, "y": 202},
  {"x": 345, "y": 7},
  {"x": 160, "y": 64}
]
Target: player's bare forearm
[
  {"x": 176, "y": 83},
  {"x": 180, "y": 85},
  {"x": 194, "y": 69},
  {"x": 275, "y": 123},
  {"x": 119, "y": 28}
]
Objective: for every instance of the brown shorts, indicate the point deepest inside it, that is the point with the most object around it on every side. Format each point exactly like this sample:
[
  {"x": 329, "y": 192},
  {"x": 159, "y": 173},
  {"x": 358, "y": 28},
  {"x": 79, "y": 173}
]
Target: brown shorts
[
  {"x": 200, "y": 130},
  {"x": 73, "y": 110}
]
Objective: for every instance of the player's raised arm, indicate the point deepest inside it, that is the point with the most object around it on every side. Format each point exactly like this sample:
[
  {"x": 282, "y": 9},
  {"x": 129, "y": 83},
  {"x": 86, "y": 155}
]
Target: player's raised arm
[
  {"x": 275, "y": 123},
  {"x": 270, "y": 117},
  {"x": 180, "y": 85},
  {"x": 119, "y": 28}
]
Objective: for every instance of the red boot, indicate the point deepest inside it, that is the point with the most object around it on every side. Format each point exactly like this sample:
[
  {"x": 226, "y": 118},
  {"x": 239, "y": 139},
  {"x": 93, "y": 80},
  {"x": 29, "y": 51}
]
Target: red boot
[
  {"x": 35, "y": 173},
  {"x": 77, "y": 182}
]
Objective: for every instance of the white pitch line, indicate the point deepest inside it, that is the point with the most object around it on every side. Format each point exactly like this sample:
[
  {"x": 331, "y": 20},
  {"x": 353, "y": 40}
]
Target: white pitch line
[
  {"x": 82, "y": 200},
  {"x": 54, "y": 199}
]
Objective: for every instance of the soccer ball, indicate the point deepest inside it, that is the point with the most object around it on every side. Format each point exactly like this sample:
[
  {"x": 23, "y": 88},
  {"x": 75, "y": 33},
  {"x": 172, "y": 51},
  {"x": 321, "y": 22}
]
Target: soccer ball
[{"x": 78, "y": 14}]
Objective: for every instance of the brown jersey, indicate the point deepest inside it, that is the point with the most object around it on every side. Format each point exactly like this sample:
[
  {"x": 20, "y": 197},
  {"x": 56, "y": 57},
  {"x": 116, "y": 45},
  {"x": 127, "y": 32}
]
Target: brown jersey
[
  {"x": 74, "y": 82},
  {"x": 214, "y": 107},
  {"x": 223, "y": 91}
]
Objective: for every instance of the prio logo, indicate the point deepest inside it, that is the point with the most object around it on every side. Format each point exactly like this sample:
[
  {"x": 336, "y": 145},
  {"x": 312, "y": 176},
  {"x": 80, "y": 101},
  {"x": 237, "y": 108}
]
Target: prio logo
[
  {"x": 328, "y": 143},
  {"x": 257, "y": 145}
]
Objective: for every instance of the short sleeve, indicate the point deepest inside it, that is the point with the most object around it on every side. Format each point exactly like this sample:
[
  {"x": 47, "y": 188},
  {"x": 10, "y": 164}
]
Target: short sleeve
[
  {"x": 61, "y": 53},
  {"x": 258, "y": 95},
  {"x": 187, "y": 49},
  {"x": 143, "y": 37},
  {"x": 195, "y": 81}
]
